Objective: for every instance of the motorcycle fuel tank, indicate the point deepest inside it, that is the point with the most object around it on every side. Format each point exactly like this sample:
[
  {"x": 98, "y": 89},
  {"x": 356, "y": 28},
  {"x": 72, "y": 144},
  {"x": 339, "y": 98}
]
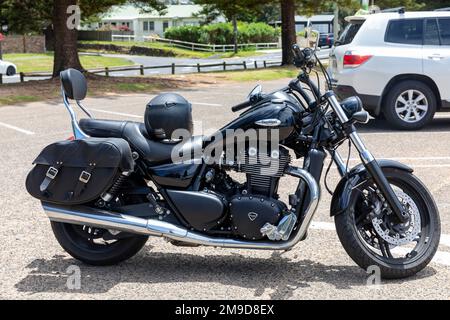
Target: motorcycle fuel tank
[{"x": 278, "y": 111}]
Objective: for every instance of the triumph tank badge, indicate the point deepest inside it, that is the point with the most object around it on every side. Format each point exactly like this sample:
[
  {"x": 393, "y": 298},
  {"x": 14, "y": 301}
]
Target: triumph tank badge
[
  {"x": 252, "y": 216},
  {"x": 268, "y": 123}
]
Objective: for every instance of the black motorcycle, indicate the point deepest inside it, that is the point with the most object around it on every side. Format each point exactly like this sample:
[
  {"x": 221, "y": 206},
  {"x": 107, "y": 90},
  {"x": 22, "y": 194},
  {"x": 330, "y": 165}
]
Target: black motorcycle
[{"x": 118, "y": 182}]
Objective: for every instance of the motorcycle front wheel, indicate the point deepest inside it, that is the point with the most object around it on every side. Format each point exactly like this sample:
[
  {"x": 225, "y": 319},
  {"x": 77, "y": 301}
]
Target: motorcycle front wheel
[
  {"x": 95, "y": 246},
  {"x": 372, "y": 235}
]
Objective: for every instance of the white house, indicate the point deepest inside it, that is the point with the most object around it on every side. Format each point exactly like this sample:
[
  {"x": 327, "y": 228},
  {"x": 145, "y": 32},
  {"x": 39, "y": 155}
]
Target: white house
[
  {"x": 144, "y": 24},
  {"x": 322, "y": 23}
]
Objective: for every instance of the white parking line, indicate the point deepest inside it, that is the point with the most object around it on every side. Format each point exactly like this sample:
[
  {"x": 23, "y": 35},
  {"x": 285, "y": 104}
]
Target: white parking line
[
  {"x": 117, "y": 113},
  {"x": 409, "y": 158},
  {"x": 445, "y": 240},
  {"x": 441, "y": 257},
  {"x": 322, "y": 225},
  {"x": 431, "y": 166},
  {"x": 16, "y": 128},
  {"x": 207, "y": 104},
  {"x": 402, "y": 133}
]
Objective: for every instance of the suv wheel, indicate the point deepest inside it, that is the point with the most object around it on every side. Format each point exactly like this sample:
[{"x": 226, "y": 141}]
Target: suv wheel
[
  {"x": 410, "y": 105},
  {"x": 10, "y": 71}
]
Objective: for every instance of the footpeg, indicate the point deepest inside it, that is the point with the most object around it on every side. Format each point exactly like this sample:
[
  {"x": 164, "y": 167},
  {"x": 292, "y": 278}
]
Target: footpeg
[{"x": 282, "y": 231}]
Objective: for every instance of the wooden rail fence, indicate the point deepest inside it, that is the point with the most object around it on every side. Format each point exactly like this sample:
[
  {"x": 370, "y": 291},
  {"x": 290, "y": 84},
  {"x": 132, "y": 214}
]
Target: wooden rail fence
[
  {"x": 212, "y": 47},
  {"x": 172, "y": 67}
]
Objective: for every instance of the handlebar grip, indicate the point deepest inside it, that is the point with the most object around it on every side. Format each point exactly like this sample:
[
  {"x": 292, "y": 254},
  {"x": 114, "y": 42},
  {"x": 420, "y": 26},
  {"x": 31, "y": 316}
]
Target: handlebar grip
[{"x": 241, "y": 106}]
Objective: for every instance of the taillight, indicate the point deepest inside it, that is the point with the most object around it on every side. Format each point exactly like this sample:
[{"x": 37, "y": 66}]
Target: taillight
[
  {"x": 355, "y": 60},
  {"x": 71, "y": 138}
]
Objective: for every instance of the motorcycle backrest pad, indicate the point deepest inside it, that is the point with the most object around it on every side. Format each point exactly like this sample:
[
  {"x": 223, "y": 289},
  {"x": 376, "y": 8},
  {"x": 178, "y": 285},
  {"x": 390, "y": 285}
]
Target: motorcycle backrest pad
[
  {"x": 78, "y": 171},
  {"x": 74, "y": 84}
]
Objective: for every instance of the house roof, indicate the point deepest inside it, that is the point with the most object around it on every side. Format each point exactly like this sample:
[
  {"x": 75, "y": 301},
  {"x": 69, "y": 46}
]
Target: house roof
[
  {"x": 130, "y": 12},
  {"x": 318, "y": 18},
  {"x": 321, "y": 18}
]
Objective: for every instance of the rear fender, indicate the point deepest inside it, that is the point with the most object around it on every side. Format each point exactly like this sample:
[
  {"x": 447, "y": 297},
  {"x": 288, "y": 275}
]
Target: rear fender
[{"x": 346, "y": 187}]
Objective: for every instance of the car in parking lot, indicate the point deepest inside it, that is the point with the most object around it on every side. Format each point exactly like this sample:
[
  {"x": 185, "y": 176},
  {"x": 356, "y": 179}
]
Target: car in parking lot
[
  {"x": 398, "y": 63},
  {"x": 7, "y": 68},
  {"x": 326, "y": 40}
]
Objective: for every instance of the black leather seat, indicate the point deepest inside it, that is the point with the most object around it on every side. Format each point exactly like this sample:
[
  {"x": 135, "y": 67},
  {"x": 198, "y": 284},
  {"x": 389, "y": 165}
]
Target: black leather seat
[
  {"x": 134, "y": 133},
  {"x": 153, "y": 151}
]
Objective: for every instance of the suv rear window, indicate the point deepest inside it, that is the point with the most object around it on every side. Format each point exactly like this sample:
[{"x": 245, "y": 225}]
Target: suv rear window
[
  {"x": 406, "y": 31},
  {"x": 349, "y": 34}
]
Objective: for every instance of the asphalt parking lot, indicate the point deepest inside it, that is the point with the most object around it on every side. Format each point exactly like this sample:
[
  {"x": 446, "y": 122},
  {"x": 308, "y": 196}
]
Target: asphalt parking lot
[{"x": 33, "y": 266}]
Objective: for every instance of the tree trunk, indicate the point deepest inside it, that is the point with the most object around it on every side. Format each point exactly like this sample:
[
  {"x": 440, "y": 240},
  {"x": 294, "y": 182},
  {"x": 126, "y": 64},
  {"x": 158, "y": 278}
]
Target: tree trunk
[
  {"x": 66, "y": 51},
  {"x": 288, "y": 35},
  {"x": 235, "y": 34}
]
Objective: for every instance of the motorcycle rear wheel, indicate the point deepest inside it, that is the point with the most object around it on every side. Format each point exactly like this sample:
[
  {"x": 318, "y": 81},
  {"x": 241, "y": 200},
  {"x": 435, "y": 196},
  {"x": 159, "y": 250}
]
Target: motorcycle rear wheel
[
  {"x": 88, "y": 245},
  {"x": 368, "y": 253}
]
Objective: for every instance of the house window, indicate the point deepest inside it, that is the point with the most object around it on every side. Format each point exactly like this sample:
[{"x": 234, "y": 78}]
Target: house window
[
  {"x": 165, "y": 25},
  {"x": 149, "y": 26}
]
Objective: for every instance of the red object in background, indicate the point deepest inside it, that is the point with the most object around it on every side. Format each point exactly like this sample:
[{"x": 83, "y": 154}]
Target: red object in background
[
  {"x": 355, "y": 60},
  {"x": 2, "y": 37}
]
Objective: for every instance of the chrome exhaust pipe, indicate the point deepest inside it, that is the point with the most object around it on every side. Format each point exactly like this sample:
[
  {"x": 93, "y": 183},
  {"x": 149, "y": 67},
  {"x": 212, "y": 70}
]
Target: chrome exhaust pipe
[{"x": 110, "y": 220}]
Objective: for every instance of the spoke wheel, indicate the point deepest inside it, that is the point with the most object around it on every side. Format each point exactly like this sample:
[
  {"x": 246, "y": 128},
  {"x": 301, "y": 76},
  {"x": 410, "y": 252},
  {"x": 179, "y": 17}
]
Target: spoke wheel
[
  {"x": 372, "y": 235},
  {"x": 97, "y": 246}
]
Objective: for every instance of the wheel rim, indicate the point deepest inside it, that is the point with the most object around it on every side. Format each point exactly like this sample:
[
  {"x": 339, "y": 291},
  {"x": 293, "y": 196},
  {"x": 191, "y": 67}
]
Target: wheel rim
[
  {"x": 398, "y": 255},
  {"x": 411, "y": 106},
  {"x": 10, "y": 71},
  {"x": 90, "y": 239}
]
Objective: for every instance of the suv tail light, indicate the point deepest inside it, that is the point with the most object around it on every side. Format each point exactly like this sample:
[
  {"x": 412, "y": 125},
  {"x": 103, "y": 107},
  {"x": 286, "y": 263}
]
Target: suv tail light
[{"x": 355, "y": 60}]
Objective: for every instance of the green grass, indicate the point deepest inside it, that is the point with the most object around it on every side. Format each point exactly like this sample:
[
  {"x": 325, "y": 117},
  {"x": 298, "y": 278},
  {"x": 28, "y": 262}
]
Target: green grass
[
  {"x": 29, "y": 62},
  {"x": 178, "y": 52},
  {"x": 18, "y": 99},
  {"x": 134, "y": 87},
  {"x": 274, "y": 73}
]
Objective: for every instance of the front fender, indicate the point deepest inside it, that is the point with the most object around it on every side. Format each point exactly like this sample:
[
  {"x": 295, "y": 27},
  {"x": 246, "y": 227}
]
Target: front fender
[{"x": 344, "y": 190}]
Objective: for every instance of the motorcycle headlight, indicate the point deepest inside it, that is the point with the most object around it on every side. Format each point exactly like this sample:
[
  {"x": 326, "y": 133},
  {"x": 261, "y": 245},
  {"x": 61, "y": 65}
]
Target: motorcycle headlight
[{"x": 351, "y": 106}]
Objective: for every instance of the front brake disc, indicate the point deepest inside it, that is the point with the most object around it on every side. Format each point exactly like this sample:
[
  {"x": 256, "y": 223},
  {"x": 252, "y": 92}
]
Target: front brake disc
[{"x": 394, "y": 233}]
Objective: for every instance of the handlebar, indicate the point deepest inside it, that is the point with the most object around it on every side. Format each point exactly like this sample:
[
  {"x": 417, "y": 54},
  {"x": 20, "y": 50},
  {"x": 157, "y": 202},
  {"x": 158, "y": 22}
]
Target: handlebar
[{"x": 242, "y": 106}]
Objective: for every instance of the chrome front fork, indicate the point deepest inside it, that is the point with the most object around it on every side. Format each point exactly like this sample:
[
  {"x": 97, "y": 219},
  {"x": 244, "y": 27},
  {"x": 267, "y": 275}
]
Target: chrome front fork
[
  {"x": 364, "y": 153},
  {"x": 370, "y": 163}
]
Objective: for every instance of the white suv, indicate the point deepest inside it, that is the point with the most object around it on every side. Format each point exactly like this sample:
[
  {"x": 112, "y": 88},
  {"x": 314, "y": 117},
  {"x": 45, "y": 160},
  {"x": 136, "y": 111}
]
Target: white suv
[{"x": 397, "y": 63}]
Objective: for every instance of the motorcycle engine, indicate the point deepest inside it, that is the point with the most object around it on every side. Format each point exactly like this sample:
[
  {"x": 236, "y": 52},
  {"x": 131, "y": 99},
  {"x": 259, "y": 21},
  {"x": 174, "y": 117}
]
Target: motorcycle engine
[
  {"x": 250, "y": 213},
  {"x": 254, "y": 203},
  {"x": 258, "y": 204}
]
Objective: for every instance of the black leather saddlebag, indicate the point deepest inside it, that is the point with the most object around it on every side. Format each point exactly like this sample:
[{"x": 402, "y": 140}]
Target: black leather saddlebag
[{"x": 79, "y": 171}]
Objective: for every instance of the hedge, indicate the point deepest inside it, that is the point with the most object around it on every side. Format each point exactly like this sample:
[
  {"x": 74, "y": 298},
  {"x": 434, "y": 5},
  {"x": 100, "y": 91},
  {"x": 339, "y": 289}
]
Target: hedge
[{"x": 222, "y": 33}]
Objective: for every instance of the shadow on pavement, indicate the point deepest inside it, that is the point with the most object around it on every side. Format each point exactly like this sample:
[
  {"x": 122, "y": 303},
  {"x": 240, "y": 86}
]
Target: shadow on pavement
[
  {"x": 277, "y": 273},
  {"x": 379, "y": 125}
]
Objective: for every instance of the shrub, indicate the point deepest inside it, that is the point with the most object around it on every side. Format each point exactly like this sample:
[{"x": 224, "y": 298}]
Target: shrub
[
  {"x": 222, "y": 33},
  {"x": 184, "y": 33}
]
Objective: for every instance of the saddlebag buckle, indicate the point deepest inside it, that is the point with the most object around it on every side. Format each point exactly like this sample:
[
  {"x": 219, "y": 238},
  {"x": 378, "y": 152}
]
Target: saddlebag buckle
[
  {"x": 52, "y": 172},
  {"x": 85, "y": 177}
]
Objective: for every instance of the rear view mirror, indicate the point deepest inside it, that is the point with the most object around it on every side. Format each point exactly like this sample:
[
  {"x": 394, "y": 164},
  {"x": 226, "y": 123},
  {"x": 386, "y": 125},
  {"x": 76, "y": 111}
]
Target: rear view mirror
[
  {"x": 74, "y": 84},
  {"x": 311, "y": 36},
  {"x": 255, "y": 93}
]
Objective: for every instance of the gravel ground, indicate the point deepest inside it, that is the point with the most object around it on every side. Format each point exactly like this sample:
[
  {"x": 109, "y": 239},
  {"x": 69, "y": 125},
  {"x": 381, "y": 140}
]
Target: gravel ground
[{"x": 33, "y": 266}]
